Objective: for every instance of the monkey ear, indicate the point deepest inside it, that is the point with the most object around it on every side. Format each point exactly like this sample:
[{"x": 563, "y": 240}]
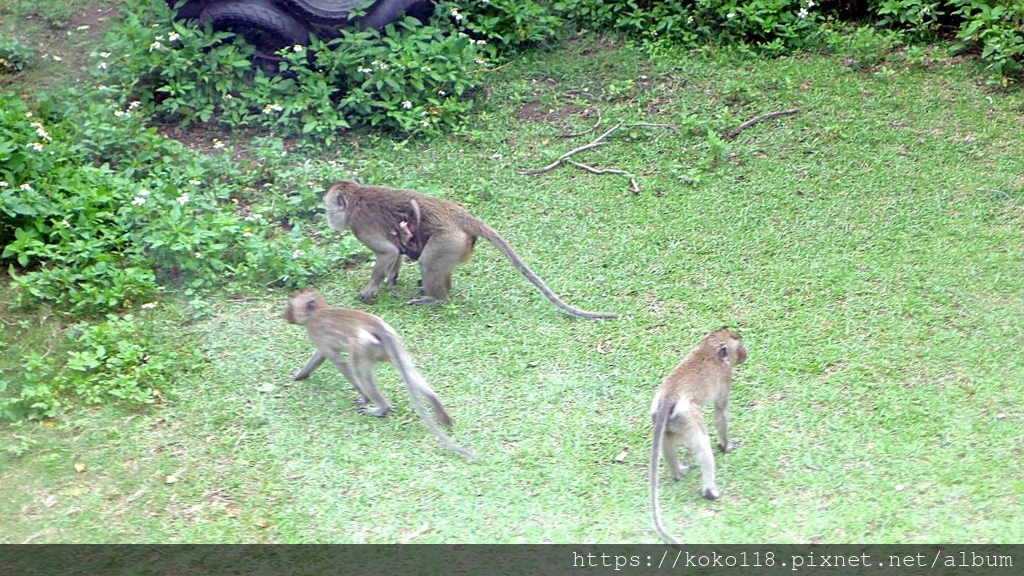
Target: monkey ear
[
  {"x": 311, "y": 304},
  {"x": 723, "y": 351}
]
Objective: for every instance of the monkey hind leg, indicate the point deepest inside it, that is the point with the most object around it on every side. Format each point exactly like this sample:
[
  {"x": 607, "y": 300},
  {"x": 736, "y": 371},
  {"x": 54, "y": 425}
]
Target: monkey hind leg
[
  {"x": 670, "y": 449},
  {"x": 440, "y": 256},
  {"x": 367, "y": 386}
]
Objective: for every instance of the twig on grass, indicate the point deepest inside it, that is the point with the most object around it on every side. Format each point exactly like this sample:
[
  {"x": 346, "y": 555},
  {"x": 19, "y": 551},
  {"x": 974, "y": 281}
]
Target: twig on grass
[
  {"x": 753, "y": 121},
  {"x": 556, "y": 163}
]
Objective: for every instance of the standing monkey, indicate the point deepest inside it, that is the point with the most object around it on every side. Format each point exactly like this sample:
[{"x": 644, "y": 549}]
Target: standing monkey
[
  {"x": 367, "y": 340},
  {"x": 705, "y": 375},
  {"x": 439, "y": 233}
]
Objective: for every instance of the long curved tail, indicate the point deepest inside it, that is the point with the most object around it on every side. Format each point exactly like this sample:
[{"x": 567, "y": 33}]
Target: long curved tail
[
  {"x": 485, "y": 231},
  {"x": 417, "y": 387},
  {"x": 660, "y": 423}
]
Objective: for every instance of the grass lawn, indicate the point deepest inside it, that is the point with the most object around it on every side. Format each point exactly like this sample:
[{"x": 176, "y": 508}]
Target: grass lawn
[{"x": 870, "y": 249}]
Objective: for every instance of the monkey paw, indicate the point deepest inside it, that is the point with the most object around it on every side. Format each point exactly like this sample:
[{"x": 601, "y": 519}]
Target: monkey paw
[
  {"x": 711, "y": 493},
  {"x": 377, "y": 412},
  {"x": 424, "y": 301},
  {"x": 729, "y": 447},
  {"x": 359, "y": 401},
  {"x": 677, "y": 475}
]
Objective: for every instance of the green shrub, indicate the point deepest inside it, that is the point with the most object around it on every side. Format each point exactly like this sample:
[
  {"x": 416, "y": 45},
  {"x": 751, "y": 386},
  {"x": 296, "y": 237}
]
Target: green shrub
[
  {"x": 14, "y": 57},
  {"x": 123, "y": 359},
  {"x": 997, "y": 28},
  {"x": 98, "y": 211},
  {"x": 411, "y": 79}
]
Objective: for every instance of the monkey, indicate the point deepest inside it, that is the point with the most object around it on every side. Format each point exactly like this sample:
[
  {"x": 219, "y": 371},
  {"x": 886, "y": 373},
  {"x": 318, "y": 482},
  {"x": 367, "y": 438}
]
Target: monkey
[
  {"x": 703, "y": 376},
  {"x": 366, "y": 339},
  {"x": 442, "y": 234}
]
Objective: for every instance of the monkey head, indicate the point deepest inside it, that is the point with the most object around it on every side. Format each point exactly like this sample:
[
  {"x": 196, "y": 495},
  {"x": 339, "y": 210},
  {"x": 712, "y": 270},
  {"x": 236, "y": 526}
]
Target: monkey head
[
  {"x": 302, "y": 305},
  {"x": 728, "y": 346},
  {"x": 337, "y": 205}
]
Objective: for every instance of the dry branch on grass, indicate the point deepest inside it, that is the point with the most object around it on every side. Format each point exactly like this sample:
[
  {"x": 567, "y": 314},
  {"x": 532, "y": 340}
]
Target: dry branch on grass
[{"x": 757, "y": 119}]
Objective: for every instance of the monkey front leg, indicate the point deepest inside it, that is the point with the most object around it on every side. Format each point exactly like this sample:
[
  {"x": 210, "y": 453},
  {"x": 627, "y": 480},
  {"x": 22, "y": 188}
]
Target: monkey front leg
[
  {"x": 385, "y": 268},
  {"x": 314, "y": 362},
  {"x": 722, "y": 425}
]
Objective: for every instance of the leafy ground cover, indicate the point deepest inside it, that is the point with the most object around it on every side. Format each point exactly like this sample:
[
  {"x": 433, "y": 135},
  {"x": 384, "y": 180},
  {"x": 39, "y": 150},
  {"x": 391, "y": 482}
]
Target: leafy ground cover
[{"x": 869, "y": 248}]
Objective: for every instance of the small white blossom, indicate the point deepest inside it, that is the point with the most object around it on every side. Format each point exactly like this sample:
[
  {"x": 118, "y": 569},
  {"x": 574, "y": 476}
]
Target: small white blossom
[
  {"x": 104, "y": 54},
  {"x": 480, "y": 61},
  {"x": 160, "y": 37},
  {"x": 199, "y": 255},
  {"x": 730, "y": 15},
  {"x": 297, "y": 254},
  {"x": 134, "y": 104},
  {"x": 173, "y": 37},
  {"x": 26, "y": 187},
  {"x": 247, "y": 233},
  {"x": 102, "y": 65},
  {"x": 297, "y": 48},
  {"x": 227, "y": 96},
  {"x": 456, "y": 15},
  {"x": 425, "y": 68},
  {"x": 275, "y": 107},
  {"x": 138, "y": 201},
  {"x": 38, "y": 147},
  {"x": 143, "y": 192},
  {"x": 802, "y": 13},
  {"x": 383, "y": 66},
  {"x": 148, "y": 305},
  {"x": 57, "y": 58},
  {"x": 120, "y": 113},
  {"x": 65, "y": 223},
  {"x": 810, "y": 3},
  {"x": 442, "y": 93},
  {"x": 407, "y": 105},
  {"x": 217, "y": 144},
  {"x": 362, "y": 70},
  {"x": 195, "y": 182},
  {"x": 155, "y": 46},
  {"x": 183, "y": 199},
  {"x": 425, "y": 123},
  {"x": 4, "y": 184}
]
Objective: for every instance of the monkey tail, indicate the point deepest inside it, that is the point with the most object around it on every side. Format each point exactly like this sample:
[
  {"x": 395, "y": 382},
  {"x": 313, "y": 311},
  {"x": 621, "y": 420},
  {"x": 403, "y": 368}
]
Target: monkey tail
[
  {"x": 660, "y": 423},
  {"x": 417, "y": 386},
  {"x": 481, "y": 229}
]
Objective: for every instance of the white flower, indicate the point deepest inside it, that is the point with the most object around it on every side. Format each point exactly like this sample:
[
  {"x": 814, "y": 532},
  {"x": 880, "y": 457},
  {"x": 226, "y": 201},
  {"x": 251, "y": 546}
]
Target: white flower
[
  {"x": 275, "y": 107},
  {"x": 134, "y": 104},
  {"x": 480, "y": 61},
  {"x": 57, "y": 58},
  {"x": 155, "y": 46},
  {"x": 65, "y": 223},
  {"x": 102, "y": 65},
  {"x": 195, "y": 182},
  {"x": 199, "y": 255},
  {"x": 143, "y": 192},
  {"x": 407, "y": 105},
  {"x": 120, "y": 113},
  {"x": 810, "y": 3},
  {"x": 730, "y": 15},
  {"x": 456, "y": 15},
  {"x": 297, "y": 48},
  {"x": 26, "y": 186},
  {"x": 4, "y": 184},
  {"x": 173, "y": 37},
  {"x": 247, "y": 233},
  {"x": 217, "y": 144},
  {"x": 149, "y": 305},
  {"x": 183, "y": 199},
  {"x": 425, "y": 68},
  {"x": 383, "y": 66},
  {"x": 38, "y": 147},
  {"x": 227, "y": 96},
  {"x": 802, "y": 13},
  {"x": 297, "y": 254},
  {"x": 160, "y": 37},
  {"x": 425, "y": 123},
  {"x": 139, "y": 201},
  {"x": 362, "y": 70},
  {"x": 442, "y": 93},
  {"x": 104, "y": 54},
  {"x": 481, "y": 42}
]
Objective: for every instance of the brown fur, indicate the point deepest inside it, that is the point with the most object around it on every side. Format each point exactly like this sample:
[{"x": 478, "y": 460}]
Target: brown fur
[
  {"x": 704, "y": 376},
  {"x": 366, "y": 340},
  {"x": 443, "y": 236}
]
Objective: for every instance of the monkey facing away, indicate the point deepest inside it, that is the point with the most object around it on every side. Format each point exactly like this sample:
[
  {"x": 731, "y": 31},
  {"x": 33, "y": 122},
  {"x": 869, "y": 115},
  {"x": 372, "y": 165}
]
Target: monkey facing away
[
  {"x": 705, "y": 375},
  {"x": 366, "y": 340},
  {"x": 437, "y": 232}
]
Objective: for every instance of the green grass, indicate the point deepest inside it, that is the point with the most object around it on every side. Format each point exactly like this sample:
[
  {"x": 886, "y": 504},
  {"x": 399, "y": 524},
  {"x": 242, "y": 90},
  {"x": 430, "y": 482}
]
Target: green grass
[{"x": 869, "y": 249}]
